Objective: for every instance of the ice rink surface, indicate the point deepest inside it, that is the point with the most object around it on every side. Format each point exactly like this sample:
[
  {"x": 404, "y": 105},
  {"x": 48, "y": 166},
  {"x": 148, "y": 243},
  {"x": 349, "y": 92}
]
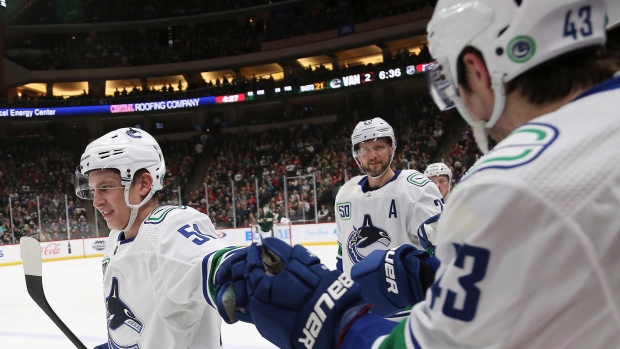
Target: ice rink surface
[{"x": 73, "y": 289}]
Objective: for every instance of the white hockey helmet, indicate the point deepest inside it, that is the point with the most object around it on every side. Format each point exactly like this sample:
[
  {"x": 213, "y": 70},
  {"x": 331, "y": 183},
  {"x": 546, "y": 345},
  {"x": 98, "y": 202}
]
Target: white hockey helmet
[
  {"x": 613, "y": 14},
  {"x": 370, "y": 130},
  {"x": 438, "y": 169},
  {"x": 126, "y": 150},
  {"x": 513, "y": 36}
]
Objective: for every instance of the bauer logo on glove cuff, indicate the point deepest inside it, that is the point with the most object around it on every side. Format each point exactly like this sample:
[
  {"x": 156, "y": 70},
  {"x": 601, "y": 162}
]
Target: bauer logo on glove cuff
[
  {"x": 390, "y": 276},
  {"x": 315, "y": 321}
]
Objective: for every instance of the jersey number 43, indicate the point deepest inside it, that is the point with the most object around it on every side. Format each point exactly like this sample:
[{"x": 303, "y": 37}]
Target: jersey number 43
[{"x": 469, "y": 292}]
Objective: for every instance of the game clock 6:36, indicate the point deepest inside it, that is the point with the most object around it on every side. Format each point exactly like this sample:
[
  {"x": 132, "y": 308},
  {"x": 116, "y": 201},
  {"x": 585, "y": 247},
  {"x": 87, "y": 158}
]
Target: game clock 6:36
[{"x": 390, "y": 74}]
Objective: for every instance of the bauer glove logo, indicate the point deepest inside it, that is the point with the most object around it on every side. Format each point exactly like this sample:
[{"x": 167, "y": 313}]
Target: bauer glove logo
[
  {"x": 390, "y": 276},
  {"x": 324, "y": 304}
]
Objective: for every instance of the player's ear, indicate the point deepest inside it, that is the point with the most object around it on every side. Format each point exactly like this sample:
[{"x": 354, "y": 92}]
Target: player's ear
[
  {"x": 477, "y": 73},
  {"x": 145, "y": 182}
]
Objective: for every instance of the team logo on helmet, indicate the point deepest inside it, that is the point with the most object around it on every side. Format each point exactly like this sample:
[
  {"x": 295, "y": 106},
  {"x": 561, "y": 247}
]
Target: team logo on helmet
[
  {"x": 364, "y": 236},
  {"x": 133, "y": 133},
  {"x": 521, "y": 49}
]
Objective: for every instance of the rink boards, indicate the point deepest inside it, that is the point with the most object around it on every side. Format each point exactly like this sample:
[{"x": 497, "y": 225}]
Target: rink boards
[{"x": 306, "y": 234}]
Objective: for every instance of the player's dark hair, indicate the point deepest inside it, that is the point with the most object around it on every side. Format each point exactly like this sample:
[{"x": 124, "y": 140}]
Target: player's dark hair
[
  {"x": 137, "y": 175},
  {"x": 558, "y": 77}
]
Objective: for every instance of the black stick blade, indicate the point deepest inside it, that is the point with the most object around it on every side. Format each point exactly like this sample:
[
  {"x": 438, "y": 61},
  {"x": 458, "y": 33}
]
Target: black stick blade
[{"x": 33, "y": 267}]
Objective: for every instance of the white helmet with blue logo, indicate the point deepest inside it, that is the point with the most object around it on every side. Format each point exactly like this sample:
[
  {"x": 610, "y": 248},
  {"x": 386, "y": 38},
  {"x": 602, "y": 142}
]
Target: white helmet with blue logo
[
  {"x": 126, "y": 150},
  {"x": 613, "y": 14},
  {"x": 370, "y": 130},
  {"x": 438, "y": 169},
  {"x": 513, "y": 37}
]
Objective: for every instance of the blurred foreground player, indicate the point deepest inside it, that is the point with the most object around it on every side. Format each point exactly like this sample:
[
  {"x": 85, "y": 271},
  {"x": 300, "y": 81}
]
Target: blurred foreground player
[
  {"x": 159, "y": 261},
  {"x": 528, "y": 252}
]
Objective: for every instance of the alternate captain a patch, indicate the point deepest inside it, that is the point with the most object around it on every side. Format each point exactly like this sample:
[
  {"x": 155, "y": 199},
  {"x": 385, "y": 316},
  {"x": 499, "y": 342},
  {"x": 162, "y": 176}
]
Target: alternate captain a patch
[{"x": 364, "y": 240}]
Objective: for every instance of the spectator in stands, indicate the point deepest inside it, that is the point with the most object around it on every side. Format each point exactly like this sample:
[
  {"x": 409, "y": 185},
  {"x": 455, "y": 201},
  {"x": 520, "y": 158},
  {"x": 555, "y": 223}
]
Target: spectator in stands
[
  {"x": 293, "y": 214},
  {"x": 323, "y": 213},
  {"x": 79, "y": 208},
  {"x": 295, "y": 198}
]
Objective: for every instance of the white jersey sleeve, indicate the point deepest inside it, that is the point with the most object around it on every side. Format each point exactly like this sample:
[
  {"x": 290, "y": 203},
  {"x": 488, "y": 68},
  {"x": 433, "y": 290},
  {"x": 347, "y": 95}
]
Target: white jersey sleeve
[
  {"x": 157, "y": 285},
  {"x": 183, "y": 257}
]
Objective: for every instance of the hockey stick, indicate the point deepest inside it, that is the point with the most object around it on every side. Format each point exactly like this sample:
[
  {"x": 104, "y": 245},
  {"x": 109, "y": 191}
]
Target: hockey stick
[{"x": 33, "y": 270}]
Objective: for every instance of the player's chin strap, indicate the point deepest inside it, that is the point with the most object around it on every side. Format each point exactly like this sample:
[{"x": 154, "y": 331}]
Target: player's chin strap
[{"x": 135, "y": 208}]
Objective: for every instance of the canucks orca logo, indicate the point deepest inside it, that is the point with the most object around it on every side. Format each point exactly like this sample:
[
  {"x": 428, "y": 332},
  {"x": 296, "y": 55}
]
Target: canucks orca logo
[
  {"x": 133, "y": 133},
  {"x": 119, "y": 313},
  {"x": 365, "y": 236},
  {"x": 521, "y": 49},
  {"x": 104, "y": 265}
]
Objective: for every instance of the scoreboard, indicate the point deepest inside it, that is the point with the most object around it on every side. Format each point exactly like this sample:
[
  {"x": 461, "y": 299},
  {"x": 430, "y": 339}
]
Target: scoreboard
[
  {"x": 369, "y": 77},
  {"x": 345, "y": 81}
]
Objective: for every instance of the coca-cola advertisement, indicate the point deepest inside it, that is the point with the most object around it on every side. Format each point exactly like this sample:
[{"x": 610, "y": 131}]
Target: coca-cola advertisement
[{"x": 51, "y": 249}]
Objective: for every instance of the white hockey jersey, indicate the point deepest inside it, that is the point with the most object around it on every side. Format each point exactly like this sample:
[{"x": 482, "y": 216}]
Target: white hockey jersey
[
  {"x": 156, "y": 284},
  {"x": 384, "y": 218},
  {"x": 530, "y": 242}
]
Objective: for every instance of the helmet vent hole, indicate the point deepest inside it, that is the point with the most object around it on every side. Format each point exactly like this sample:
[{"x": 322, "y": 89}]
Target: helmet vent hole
[{"x": 502, "y": 32}]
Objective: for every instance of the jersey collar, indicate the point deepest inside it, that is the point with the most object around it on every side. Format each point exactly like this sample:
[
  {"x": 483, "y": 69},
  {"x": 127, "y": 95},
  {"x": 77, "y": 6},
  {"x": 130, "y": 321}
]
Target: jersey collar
[
  {"x": 363, "y": 183},
  {"x": 122, "y": 239},
  {"x": 607, "y": 85}
]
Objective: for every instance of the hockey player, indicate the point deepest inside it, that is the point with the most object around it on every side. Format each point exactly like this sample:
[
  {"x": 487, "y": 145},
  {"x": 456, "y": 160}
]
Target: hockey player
[
  {"x": 159, "y": 261},
  {"x": 441, "y": 175},
  {"x": 528, "y": 252},
  {"x": 265, "y": 222},
  {"x": 383, "y": 208}
]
